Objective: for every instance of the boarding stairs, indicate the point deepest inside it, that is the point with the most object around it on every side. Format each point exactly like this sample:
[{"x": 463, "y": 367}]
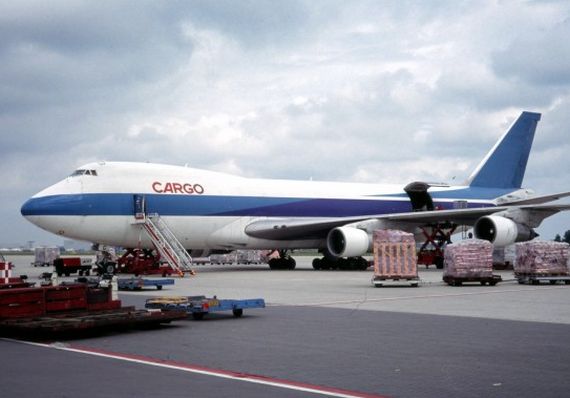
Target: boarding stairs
[{"x": 168, "y": 245}]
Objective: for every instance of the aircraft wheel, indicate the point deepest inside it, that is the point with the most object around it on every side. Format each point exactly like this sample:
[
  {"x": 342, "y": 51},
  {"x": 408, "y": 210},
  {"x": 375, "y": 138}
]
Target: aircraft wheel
[
  {"x": 290, "y": 263},
  {"x": 317, "y": 263}
]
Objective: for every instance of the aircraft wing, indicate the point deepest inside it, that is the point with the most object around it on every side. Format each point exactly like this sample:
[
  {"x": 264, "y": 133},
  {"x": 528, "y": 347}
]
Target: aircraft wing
[{"x": 314, "y": 228}]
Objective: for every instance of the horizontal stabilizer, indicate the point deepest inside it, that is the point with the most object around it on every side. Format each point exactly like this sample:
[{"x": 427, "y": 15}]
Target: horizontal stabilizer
[{"x": 537, "y": 199}]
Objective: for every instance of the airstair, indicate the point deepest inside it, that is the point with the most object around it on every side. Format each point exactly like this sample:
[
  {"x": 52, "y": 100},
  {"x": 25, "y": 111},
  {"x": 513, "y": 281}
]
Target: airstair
[{"x": 168, "y": 245}]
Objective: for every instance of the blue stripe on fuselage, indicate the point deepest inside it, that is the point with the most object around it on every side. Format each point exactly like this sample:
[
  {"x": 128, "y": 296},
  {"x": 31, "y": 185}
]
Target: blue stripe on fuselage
[
  {"x": 469, "y": 193},
  {"x": 110, "y": 204}
]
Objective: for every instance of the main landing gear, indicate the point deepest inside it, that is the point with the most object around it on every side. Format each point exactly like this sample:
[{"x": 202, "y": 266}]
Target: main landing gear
[
  {"x": 350, "y": 263},
  {"x": 285, "y": 261}
]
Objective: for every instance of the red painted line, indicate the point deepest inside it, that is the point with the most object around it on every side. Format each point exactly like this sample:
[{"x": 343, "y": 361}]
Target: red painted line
[{"x": 228, "y": 374}]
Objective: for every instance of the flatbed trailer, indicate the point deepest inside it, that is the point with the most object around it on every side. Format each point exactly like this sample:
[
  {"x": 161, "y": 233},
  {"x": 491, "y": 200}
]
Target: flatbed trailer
[
  {"x": 536, "y": 279},
  {"x": 83, "y": 321},
  {"x": 200, "y": 306},
  {"x": 483, "y": 280},
  {"x": 139, "y": 283}
]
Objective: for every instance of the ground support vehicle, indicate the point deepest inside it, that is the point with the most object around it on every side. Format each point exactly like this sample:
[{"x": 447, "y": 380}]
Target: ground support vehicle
[
  {"x": 199, "y": 306},
  {"x": 483, "y": 280},
  {"x": 536, "y": 279},
  {"x": 142, "y": 262},
  {"x": 140, "y": 283},
  {"x": 437, "y": 236},
  {"x": 70, "y": 265}
]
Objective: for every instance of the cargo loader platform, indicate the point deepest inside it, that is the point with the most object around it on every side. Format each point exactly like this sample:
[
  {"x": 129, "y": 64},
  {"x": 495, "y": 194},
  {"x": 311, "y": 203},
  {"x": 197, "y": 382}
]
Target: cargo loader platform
[{"x": 200, "y": 306}]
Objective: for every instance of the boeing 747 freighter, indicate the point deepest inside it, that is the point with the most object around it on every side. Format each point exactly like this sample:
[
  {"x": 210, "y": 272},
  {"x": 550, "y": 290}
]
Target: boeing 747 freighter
[{"x": 212, "y": 212}]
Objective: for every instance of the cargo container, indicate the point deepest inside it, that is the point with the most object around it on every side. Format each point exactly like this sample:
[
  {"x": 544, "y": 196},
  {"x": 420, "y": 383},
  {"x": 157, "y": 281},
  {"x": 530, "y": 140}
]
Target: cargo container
[{"x": 45, "y": 256}]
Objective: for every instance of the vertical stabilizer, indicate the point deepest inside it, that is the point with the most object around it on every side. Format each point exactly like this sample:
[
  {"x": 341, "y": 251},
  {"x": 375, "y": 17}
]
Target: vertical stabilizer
[{"x": 505, "y": 164}]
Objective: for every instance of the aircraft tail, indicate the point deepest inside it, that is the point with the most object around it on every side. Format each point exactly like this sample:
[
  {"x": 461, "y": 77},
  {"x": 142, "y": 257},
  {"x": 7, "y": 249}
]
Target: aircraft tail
[{"x": 505, "y": 164}]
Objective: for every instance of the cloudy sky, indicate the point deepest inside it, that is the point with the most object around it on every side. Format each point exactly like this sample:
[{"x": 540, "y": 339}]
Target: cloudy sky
[{"x": 343, "y": 91}]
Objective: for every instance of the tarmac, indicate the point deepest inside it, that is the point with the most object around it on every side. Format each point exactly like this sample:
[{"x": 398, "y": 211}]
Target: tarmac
[{"x": 323, "y": 333}]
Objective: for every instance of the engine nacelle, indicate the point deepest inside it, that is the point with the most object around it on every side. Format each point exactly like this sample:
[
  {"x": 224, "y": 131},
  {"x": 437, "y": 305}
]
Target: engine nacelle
[
  {"x": 348, "y": 242},
  {"x": 502, "y": 231}
]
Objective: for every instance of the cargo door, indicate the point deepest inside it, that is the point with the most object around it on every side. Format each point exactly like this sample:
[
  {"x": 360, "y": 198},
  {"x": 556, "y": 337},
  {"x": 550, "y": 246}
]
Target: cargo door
[
  {"x": 139, "y": 206},
  {"x": 419, "y": 196}
]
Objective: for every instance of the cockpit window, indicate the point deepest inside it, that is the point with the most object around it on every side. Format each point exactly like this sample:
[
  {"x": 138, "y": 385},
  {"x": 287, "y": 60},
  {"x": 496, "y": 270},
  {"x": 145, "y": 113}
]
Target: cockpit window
[{"x": 80, "y": 172}]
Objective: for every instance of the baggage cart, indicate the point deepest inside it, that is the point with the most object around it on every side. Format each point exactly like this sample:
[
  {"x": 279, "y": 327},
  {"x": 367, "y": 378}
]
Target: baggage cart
[
  {"x": 537, "y": 279},
  {"x": 483, "y": 280},
  {"x": 200, "y": 306},
  {"x": 140, "y": 283}
]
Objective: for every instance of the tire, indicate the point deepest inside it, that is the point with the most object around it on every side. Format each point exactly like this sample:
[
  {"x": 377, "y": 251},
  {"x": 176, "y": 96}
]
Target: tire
[
  {"x": 158, "y": 287},
  {"x": 438, "y": 262},
  {"x": 291, "y": 263},
  {"x": 317, "y": 264},
  {"x": 198, "y": 315},
  {"x": 238, "y": 312}
]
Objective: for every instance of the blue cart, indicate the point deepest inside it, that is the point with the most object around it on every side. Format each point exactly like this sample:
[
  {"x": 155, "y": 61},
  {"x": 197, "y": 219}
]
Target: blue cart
[
  {"x": 199, "y": 306},
  {"x": 139, "y": 283}
]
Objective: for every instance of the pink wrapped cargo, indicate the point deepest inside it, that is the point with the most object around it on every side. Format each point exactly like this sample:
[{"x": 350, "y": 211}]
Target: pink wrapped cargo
[
  {"x": 394, "y": 256},
  {"x": 472, "y": 258},
  {"x": 542, "y": 258}
]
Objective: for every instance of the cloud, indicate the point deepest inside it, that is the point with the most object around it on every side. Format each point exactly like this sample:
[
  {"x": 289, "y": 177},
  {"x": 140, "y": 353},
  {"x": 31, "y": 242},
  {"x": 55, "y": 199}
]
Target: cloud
[{"x": 360, "y": 91}]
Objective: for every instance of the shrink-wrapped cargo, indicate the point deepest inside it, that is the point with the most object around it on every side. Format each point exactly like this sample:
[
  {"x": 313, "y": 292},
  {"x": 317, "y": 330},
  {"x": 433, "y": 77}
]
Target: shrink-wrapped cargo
[
  {"x": 394, "y": 254},
  {"x": 472, "y": 258},
  {"x": 542, "y": 258}
]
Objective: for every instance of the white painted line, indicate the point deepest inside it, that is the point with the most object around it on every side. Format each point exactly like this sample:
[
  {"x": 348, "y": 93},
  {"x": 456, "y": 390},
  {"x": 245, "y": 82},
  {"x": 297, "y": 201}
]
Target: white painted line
[
  {"x": 412, "y": 297},
  {"x": 224, "y": 374}
]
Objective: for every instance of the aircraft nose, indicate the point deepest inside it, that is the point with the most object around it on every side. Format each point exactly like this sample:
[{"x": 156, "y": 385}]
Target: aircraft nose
[{"x": 29, "y": 208}]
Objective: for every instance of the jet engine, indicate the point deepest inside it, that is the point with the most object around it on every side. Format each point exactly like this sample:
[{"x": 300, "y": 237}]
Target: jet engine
[
  {"x": 502, "y": 231},
  {"x": 348, "y": 242}
]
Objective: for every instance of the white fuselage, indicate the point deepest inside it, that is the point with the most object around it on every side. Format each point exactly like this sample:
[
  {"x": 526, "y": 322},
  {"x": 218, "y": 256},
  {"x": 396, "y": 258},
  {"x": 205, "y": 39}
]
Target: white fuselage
[{"x": 209, "y": 210}]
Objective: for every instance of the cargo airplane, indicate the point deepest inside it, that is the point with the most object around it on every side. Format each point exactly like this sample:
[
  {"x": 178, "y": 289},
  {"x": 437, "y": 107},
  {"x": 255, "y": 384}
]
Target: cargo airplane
[{"x": 214, "y": 212}]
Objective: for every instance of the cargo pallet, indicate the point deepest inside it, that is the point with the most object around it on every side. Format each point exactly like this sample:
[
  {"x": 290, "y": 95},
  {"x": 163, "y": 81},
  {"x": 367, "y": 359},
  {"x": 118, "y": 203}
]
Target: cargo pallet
[
  {"x": 200, "y": 306},
  {"x": 395, "y": 281},
  {"x": 483, "y": 280},
  {"x": 70, "y": 308},
  {"x": 139, "y": 283},
  {"x": 536, "y": 279},
  {"x": 83, "y": 321}
]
